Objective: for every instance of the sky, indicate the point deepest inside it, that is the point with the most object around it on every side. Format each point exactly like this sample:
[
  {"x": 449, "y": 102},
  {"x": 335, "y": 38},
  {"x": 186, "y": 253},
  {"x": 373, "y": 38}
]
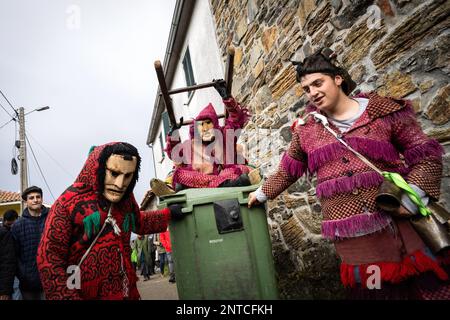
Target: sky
[{"x": 91, "y": 62}]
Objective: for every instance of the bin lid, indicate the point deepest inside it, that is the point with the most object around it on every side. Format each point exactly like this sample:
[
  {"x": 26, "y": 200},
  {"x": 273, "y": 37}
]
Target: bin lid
[{"x": 192, "y": 197}]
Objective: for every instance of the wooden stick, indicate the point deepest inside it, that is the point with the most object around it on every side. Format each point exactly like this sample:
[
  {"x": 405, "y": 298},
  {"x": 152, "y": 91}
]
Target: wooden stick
[
  {"x": 188, "y": 122},
  {"x": 229, "y": 69},
  {"x": 164, "y": 92},
  {"x": 191, "y": 88}
]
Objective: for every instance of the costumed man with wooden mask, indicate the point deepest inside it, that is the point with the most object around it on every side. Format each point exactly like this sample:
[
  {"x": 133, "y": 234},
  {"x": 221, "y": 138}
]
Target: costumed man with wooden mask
[
  {"x": 211, "y": 158},
  {"x": 85, "y": 248}
]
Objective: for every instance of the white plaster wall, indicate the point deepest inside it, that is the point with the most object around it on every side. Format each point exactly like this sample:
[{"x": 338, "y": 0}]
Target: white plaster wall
[{"x": 164, "y": 167}]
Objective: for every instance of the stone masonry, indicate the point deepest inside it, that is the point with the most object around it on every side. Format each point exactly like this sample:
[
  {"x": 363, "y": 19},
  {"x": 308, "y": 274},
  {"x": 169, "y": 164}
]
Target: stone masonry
[{"x": 396, "y": 47}]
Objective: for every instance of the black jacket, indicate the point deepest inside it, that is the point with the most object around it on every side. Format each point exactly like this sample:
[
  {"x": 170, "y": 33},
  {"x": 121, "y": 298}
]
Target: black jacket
[
  {"x": 7, "y": 262},
  {"x": 27, "y": 232}
]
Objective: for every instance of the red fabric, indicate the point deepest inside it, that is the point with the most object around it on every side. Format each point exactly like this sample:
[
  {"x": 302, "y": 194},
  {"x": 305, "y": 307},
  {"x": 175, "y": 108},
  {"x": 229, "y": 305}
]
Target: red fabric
[
  {"x": 164, "y": 237},
  {"x": 208, "y": 112},
  {"x": 445, "y": 258},
  {"x": 64, "y": 241},
  {"x": 194, "y": 179},
  {"x": 394, "y": 272},
  {"x": 192, "y": 158}
]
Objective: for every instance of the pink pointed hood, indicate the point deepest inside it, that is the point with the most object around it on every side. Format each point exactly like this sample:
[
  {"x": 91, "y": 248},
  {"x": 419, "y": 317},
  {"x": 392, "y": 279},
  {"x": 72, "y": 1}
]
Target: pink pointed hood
[{"x": 209, "y": 112}]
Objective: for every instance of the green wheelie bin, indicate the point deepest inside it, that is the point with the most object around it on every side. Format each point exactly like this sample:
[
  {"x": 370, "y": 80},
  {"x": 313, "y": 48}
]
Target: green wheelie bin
[{"x": 221, "y": 249}]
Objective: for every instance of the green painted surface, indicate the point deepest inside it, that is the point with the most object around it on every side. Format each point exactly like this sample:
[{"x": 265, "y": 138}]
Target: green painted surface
[{"x": 209, "y": 265}]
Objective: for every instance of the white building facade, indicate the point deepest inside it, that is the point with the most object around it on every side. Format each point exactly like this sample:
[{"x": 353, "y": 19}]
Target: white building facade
[{"x": 192, "y": 57}]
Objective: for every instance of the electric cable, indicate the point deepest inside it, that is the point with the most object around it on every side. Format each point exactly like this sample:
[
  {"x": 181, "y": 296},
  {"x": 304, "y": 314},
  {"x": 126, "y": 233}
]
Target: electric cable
[{"x": 39, "y": 167}]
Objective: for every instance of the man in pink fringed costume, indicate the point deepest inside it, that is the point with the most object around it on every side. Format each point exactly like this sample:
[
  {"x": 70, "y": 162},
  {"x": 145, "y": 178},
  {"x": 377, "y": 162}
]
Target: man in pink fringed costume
[
  {"x": 382, "y": 129},
  {"x": 211, "y": 158}
]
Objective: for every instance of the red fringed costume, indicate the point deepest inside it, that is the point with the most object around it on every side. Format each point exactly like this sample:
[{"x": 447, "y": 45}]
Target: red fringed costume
[
  {"x": 73, "y": 223},
  {"x": 364, "y": 235},
  {"x": 194, "y": 167}
]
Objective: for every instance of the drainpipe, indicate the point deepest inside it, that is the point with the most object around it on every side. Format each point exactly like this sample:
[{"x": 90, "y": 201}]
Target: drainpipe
[{"x": 153, "y": 157}]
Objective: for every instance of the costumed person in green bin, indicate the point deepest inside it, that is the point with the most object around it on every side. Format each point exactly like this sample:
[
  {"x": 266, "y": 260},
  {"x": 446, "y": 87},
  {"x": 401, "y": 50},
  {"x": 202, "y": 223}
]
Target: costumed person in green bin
[
  {"x": 85, "y": 248},
  {"x": 211, "y": 158}
]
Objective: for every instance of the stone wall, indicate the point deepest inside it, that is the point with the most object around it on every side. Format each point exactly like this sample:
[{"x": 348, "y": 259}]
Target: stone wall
[{"x": 397, "y": 47}]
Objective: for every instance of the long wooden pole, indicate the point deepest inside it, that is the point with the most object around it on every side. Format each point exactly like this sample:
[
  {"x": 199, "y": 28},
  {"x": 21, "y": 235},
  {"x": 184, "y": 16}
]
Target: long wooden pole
[
  {"x": 229, "y": 69},
  {"x": 192, "y": 88},
  {"x": 164, "y": 92}
]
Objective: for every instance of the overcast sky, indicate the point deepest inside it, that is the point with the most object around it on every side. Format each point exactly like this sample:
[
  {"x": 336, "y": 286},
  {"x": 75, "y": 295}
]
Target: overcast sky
[{"x": 91, "y": 61}]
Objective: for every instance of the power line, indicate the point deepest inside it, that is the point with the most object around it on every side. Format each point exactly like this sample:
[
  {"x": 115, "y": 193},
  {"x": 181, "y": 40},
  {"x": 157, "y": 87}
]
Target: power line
[
  {"x": 4, "y": 125},
  {"x": 6, "y": 111},
  {"x": 15, "y": 111},
  {"x": 50, "y": 156},
  {"x": 40, "y": 170},
  {"x": 15, "y": 131}
]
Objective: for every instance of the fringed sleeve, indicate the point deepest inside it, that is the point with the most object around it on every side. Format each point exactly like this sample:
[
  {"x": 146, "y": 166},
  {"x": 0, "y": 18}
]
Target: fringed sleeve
[
  {"x": 238, "y": 115},
  {"x": 293, "y": 165},
  {"x": 422, "y": 154},
  {"x": 171, "y": 142}
]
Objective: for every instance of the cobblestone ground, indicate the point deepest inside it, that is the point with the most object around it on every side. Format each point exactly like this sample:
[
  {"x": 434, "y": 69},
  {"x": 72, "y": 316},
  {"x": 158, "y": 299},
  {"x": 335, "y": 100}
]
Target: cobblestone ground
[{"x": 157, "y": 288}]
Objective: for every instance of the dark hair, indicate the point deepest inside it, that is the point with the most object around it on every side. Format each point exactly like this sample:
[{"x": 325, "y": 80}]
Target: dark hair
[
  {"x": 10, "y": 215},
  {"x": 323, "y": 61},
  {"x": 124, "y": 149},
  {"x": 30, "y": 190}
]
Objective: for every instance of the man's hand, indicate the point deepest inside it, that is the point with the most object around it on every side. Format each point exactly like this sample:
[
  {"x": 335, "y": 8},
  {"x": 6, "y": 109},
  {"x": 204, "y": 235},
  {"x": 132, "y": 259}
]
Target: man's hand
[
  {"x": 221, "y": 87},
  {"x": 5, "y": 297},
  {"x": 175, "y": 212},
  {"x": 175, "y": 127},
  {"x": 252, "y": 199}
]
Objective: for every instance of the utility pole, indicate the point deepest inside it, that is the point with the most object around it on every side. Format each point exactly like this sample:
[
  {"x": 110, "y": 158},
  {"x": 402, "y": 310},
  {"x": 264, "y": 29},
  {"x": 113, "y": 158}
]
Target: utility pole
[
  {"x": 22, "y": 154},
  {"x": 21, "y": 144}
]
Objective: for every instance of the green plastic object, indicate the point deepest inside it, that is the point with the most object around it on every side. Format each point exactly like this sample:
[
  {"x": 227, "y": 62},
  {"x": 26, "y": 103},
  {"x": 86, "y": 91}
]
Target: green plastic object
[
  {"x": 400, "y": 182},
  {"x": 221, "y": 249}
]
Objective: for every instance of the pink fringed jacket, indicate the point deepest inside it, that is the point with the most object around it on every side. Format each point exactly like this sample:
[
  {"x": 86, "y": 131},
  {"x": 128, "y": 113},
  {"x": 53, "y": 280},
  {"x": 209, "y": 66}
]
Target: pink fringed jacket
[{"x": 388, "y": 134}]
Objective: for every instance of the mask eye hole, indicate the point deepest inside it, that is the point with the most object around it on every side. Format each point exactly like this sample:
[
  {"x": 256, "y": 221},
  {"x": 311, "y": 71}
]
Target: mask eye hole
[{"x": 113, "y": 173}]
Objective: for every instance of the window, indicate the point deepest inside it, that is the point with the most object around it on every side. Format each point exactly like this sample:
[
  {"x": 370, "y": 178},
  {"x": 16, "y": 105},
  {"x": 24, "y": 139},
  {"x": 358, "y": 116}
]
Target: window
[
  {"x": 188, "y": 73},
  {"x": 166, "y": 122}
]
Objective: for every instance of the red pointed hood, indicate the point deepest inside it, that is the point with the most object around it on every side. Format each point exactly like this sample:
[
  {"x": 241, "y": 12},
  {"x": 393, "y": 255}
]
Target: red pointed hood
[
  {"x": 88, "y": 175},
  {"x": 209, "y": 112}
]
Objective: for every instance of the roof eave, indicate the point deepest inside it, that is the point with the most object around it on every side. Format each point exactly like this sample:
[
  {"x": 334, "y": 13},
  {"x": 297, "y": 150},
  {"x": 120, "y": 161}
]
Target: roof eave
[{"x": 180, "y": 22}]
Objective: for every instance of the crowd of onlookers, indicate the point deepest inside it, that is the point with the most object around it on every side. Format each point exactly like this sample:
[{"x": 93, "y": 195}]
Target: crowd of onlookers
[
  {"x": 152, "y": 254},
  {"x": 19, "y": 240}
]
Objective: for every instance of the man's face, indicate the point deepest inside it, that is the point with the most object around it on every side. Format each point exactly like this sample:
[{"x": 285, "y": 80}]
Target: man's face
[
  {"x": 206, "y": 129},
  {"x": 322, "y": 90},
  {"x": 118, "y": 175},
  {"x": 34, "y": 201}
]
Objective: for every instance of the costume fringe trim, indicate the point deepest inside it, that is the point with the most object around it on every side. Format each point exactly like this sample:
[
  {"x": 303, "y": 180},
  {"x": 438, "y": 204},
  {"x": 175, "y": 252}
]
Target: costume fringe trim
[
  {"x": 92, "y": 223},
  {"x": 347, "y": 184},
  {"x": 373, "y": 149},
  {"x": 393, "y": 272},
  {"x": 355, "y": 225},
  {"x": 294, "y": 167},
  {"x": 126, "y": 223},
  {"x": 431, "y": 148}
]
